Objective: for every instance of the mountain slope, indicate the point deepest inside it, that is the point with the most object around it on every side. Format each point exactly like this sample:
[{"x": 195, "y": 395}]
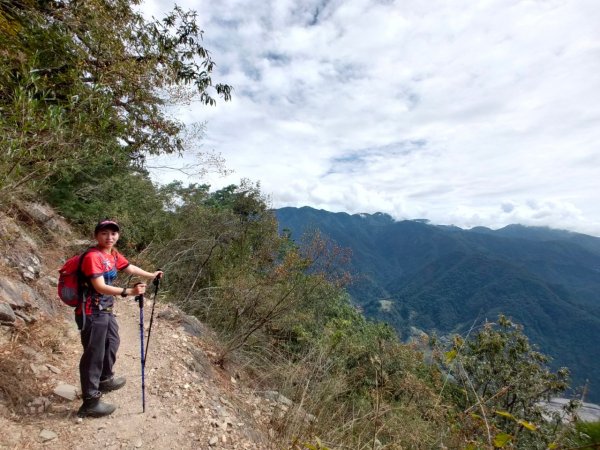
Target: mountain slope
[{"x": 443, "y": 278}]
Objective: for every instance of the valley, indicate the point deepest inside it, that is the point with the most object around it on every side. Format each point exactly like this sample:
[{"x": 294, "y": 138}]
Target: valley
[{"x": 445, "y": 280}]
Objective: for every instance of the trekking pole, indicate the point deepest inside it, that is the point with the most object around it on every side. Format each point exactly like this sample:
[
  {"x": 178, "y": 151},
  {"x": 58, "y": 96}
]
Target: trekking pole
[
  {"x": 140, "y": 299},
  {"x": 156, "y": 283}
]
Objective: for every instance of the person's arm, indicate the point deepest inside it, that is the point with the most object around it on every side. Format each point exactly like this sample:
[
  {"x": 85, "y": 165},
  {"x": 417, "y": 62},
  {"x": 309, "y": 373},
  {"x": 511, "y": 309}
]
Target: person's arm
[
  {"x": 135, "y": 270},
  {"x": 101, "y": 287}
]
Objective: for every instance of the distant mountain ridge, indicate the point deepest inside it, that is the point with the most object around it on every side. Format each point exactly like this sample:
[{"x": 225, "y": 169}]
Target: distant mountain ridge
[{"x": 443, "y": 278}]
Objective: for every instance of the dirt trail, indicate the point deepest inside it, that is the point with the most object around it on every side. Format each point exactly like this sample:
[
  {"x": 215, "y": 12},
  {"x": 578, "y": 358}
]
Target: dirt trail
[{"x": 189, "y": 402}]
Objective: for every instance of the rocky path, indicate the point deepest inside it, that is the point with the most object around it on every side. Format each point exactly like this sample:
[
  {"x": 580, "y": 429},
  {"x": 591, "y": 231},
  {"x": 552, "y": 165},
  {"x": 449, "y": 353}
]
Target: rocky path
[{"x": 189, "y": 402}]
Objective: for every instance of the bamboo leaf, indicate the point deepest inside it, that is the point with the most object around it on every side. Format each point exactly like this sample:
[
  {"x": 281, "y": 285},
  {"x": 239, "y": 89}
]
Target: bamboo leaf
[
  {"x": 501, "y": 439},
  {"x": 450, "y": 356},
  {"x": 528, "y": 425},
  {"x": 505, "y": 414}
]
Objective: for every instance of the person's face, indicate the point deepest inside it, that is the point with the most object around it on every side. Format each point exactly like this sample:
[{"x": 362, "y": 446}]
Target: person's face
[{"x": 107, "y": 238}]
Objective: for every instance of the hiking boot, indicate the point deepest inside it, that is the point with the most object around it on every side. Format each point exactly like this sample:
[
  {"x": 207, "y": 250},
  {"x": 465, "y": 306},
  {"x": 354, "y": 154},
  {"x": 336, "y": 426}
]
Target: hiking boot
[
  {"x": 93, "y": 407},
  {"x": 112, "y": 384}
]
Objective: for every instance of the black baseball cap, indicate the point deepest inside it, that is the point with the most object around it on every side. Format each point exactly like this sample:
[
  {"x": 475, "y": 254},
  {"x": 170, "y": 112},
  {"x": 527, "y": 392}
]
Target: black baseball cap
[{"x": 106, "y": 224}]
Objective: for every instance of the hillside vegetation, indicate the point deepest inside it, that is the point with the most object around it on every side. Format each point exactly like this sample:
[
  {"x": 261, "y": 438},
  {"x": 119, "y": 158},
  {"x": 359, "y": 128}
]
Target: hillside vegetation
[
  {"x": 444, "y": 279},
  {"x": 83, "y": 89}
]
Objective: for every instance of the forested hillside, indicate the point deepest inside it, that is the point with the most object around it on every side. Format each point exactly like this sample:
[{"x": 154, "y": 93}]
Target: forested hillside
[
  {"x": 84, "y": 88},
  {"x": 444, "y": 279}
]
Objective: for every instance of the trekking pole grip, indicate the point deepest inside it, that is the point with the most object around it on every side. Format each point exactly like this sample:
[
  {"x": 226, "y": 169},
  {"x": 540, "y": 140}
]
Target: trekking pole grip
[
  {"x": 139, "y": 298},
  {"x": 156, "y": 280}
]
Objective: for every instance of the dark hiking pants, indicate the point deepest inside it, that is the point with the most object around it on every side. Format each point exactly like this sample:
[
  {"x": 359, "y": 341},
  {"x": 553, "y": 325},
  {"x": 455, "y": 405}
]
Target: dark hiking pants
[{"x": 100, "y": 340}]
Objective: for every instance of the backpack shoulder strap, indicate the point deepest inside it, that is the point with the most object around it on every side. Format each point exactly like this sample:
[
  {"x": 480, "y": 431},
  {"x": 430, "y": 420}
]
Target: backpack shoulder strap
[
  {"x": 80, "y": 274},
  {"x": 83, "y": 286},
  {"x": 81, "y": 278}
]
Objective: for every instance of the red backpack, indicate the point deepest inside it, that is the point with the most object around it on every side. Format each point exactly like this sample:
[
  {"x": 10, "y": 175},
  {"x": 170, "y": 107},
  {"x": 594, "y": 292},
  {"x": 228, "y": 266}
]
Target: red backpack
[{"x": 71, "y": 281}]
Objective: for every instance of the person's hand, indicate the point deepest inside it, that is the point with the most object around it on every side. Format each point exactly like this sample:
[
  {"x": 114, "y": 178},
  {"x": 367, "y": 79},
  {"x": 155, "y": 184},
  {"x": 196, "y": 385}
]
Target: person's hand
[
  {"x": 158, "y": 274},
  {"x": 139, "y": 289}
]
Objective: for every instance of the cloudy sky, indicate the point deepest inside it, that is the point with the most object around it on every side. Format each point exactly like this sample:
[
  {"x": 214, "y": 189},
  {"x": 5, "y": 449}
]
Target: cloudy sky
[{"x": 462, "y": 112}]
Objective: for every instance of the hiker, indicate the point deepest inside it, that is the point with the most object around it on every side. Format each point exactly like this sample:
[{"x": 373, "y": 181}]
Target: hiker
[{"x": 100, "y": 333}]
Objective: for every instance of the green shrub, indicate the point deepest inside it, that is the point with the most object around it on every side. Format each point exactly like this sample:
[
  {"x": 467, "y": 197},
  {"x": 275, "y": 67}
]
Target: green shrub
[{"x": 588, "y": 435}]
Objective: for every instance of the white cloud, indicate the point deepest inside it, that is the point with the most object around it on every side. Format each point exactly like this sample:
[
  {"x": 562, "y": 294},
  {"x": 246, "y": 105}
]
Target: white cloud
[{"x": 449, "y": 111}]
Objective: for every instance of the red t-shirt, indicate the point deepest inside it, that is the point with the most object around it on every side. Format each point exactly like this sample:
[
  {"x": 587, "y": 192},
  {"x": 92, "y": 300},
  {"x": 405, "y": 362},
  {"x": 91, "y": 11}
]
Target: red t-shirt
[{"x": 97, "y": 263}]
